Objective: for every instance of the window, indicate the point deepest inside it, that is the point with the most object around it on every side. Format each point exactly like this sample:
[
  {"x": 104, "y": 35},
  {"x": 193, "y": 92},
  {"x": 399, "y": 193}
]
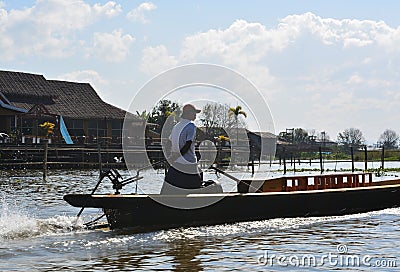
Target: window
[
  {"x": 75, "y": 127},
  {"x": 97, "y": 128},
  {"x": 116, "y": 128}
]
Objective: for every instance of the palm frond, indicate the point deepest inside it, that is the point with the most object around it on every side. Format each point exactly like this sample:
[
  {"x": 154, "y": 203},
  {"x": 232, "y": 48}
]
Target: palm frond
[{"x": 237, "y": 111}]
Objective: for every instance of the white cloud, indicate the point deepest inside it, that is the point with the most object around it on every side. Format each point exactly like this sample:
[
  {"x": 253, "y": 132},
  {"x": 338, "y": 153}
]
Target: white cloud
[
  {"x": 156, "y": 60},
  {"x": 109, "y": 9},
  {"x": 355, "y": 79},
  {"x": 322, "y": 73},
  {"x": 48, "y": 27},
  {"x": 86, "y": 76},
  {"x": 248, "y": 44},
  {"x": 112, "y": 47},
  {"x": 138, "y": 14},
  {"x": 245, "y": 42},
  {"x": 250, "y": 41},
  {"x": 345, "y": 32},
  {"x": 251, "y": 44}
]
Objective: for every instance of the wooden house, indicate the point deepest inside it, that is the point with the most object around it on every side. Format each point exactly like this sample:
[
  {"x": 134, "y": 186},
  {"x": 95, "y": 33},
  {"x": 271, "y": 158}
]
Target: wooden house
[{"x": 27, "y": 100}]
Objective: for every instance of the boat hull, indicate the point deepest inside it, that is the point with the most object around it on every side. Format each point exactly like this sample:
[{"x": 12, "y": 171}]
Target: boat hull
[{"x": 145, "y": 213}]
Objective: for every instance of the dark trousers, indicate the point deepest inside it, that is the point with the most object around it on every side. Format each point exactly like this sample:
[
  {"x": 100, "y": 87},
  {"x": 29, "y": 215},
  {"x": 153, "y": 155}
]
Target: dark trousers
[{"x": 184, "y": 176}]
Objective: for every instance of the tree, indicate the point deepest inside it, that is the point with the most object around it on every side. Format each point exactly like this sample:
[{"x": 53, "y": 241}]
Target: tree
[
  {"x": 161, "y": 112},
  {"x": 236, "y": 112},
  {"x": 143, "y": 115},
  {"x": 389, "y": 139},
  {"x": 351, "y": 137},
  {"x": 215, "y": 118},
  {"x": 301, "y": 136}
]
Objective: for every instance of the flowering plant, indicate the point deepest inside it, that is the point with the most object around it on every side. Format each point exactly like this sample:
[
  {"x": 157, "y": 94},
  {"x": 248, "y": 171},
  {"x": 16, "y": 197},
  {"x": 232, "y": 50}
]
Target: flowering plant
[
  {"x": 223, "y": 138},
  {"x": 48, "y": 127}
]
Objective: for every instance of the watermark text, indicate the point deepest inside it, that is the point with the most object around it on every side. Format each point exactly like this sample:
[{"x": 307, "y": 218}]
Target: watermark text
[{"x": 340, "y": 258}]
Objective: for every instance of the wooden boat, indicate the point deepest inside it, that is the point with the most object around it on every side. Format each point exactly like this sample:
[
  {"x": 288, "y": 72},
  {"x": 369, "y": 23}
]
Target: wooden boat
[{"x": 287, "y": 196}]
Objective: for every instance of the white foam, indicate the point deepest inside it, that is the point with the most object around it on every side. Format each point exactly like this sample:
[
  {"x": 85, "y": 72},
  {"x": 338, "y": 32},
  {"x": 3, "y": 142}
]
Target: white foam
[
  {"x": 16, "y": 223},
  {"x": 272, "y": 225}
]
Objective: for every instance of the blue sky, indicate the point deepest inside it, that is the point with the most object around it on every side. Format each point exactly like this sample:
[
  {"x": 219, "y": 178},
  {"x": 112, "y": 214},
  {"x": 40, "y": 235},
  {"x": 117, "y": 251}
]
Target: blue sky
[{"x": 320, "y": 65}]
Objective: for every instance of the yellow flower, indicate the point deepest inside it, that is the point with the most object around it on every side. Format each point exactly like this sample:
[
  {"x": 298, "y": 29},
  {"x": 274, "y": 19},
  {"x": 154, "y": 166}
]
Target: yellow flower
[
  {"x": 49, "y": 127},
  {"x": 223, "y": 138}
]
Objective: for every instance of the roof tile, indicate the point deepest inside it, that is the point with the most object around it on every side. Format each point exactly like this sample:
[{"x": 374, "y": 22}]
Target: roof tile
[{"x": 69, "y": 99}]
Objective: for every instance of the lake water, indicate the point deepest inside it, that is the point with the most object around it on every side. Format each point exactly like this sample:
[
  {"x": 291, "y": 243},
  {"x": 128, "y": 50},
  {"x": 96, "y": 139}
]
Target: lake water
[{"x": 39, "y": 232}]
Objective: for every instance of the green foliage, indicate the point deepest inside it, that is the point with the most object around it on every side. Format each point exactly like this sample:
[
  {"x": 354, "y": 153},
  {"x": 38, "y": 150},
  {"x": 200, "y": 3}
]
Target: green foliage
[
  {"x": 162, "y": 111},
  {"x": 237, "y": 111},
  {"x": 144, "y": 115}
]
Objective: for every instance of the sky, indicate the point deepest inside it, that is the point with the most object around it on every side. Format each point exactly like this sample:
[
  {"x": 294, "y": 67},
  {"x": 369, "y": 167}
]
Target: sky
[{"x": 319, "y": 65}]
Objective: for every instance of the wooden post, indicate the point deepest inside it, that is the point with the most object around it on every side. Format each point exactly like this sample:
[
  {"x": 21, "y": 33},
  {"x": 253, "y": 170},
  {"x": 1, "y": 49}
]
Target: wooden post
[
  {"x": 107, "y": 153},
  {"x": 99, "y": 157},
  {"x": 46, "y": 147},
  {"x": 219, "y": 154},
  {"x": 352, "y": 158},
  {"x": 252, "y": 148},
  {"x": 383, "y": 158},
  {"x": 320, "y": 159},
  {"x": 365, "y": 158},
  {"x": 252, "y": 166},
  {"x": 284, "y": 161}
]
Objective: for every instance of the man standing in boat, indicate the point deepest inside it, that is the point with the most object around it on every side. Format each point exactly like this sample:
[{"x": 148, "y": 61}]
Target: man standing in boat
[{"x": 183, "y": 172}]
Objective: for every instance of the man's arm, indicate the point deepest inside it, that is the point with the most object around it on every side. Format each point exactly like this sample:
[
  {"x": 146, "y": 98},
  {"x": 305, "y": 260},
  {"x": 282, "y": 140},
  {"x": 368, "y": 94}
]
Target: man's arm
[{"x": 186, "y": 147}]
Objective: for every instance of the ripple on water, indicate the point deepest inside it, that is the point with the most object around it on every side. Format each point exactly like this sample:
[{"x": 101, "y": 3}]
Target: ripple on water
[{"x": 52, "y": 241}]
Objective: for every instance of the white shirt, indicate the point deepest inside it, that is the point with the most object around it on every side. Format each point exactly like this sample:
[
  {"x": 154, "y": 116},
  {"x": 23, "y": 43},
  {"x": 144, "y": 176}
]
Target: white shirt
[{"x": 182, "y": 132}]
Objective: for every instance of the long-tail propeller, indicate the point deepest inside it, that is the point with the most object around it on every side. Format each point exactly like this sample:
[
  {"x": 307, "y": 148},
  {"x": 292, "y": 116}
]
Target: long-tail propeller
[{"x": 117, "y": 180}]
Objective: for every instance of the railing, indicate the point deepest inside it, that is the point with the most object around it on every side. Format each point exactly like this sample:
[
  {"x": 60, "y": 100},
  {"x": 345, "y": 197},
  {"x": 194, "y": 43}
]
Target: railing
[{"x": 332, "y": 181}]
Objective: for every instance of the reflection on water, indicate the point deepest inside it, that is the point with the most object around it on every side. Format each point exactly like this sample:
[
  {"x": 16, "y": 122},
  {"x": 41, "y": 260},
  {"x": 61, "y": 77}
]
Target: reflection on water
[
  {"x": 174, "y": 255},
  {"x": 39, "y": 232},
  {"x": 185, "y": 254}
]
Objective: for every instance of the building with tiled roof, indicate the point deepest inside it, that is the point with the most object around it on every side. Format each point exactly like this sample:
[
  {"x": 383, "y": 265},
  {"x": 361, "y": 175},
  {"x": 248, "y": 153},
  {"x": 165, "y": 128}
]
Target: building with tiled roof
[{"x": 27, "y": 100}]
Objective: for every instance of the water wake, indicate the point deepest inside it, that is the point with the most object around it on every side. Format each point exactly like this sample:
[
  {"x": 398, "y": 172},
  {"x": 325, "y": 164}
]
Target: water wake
[
  {"x": 269, "y": 225},
  {"x": 18, "y": 224}
]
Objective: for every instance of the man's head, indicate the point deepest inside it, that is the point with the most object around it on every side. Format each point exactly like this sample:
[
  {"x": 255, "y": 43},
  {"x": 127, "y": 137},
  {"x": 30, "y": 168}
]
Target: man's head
[{"x": 189, "y": 112}]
